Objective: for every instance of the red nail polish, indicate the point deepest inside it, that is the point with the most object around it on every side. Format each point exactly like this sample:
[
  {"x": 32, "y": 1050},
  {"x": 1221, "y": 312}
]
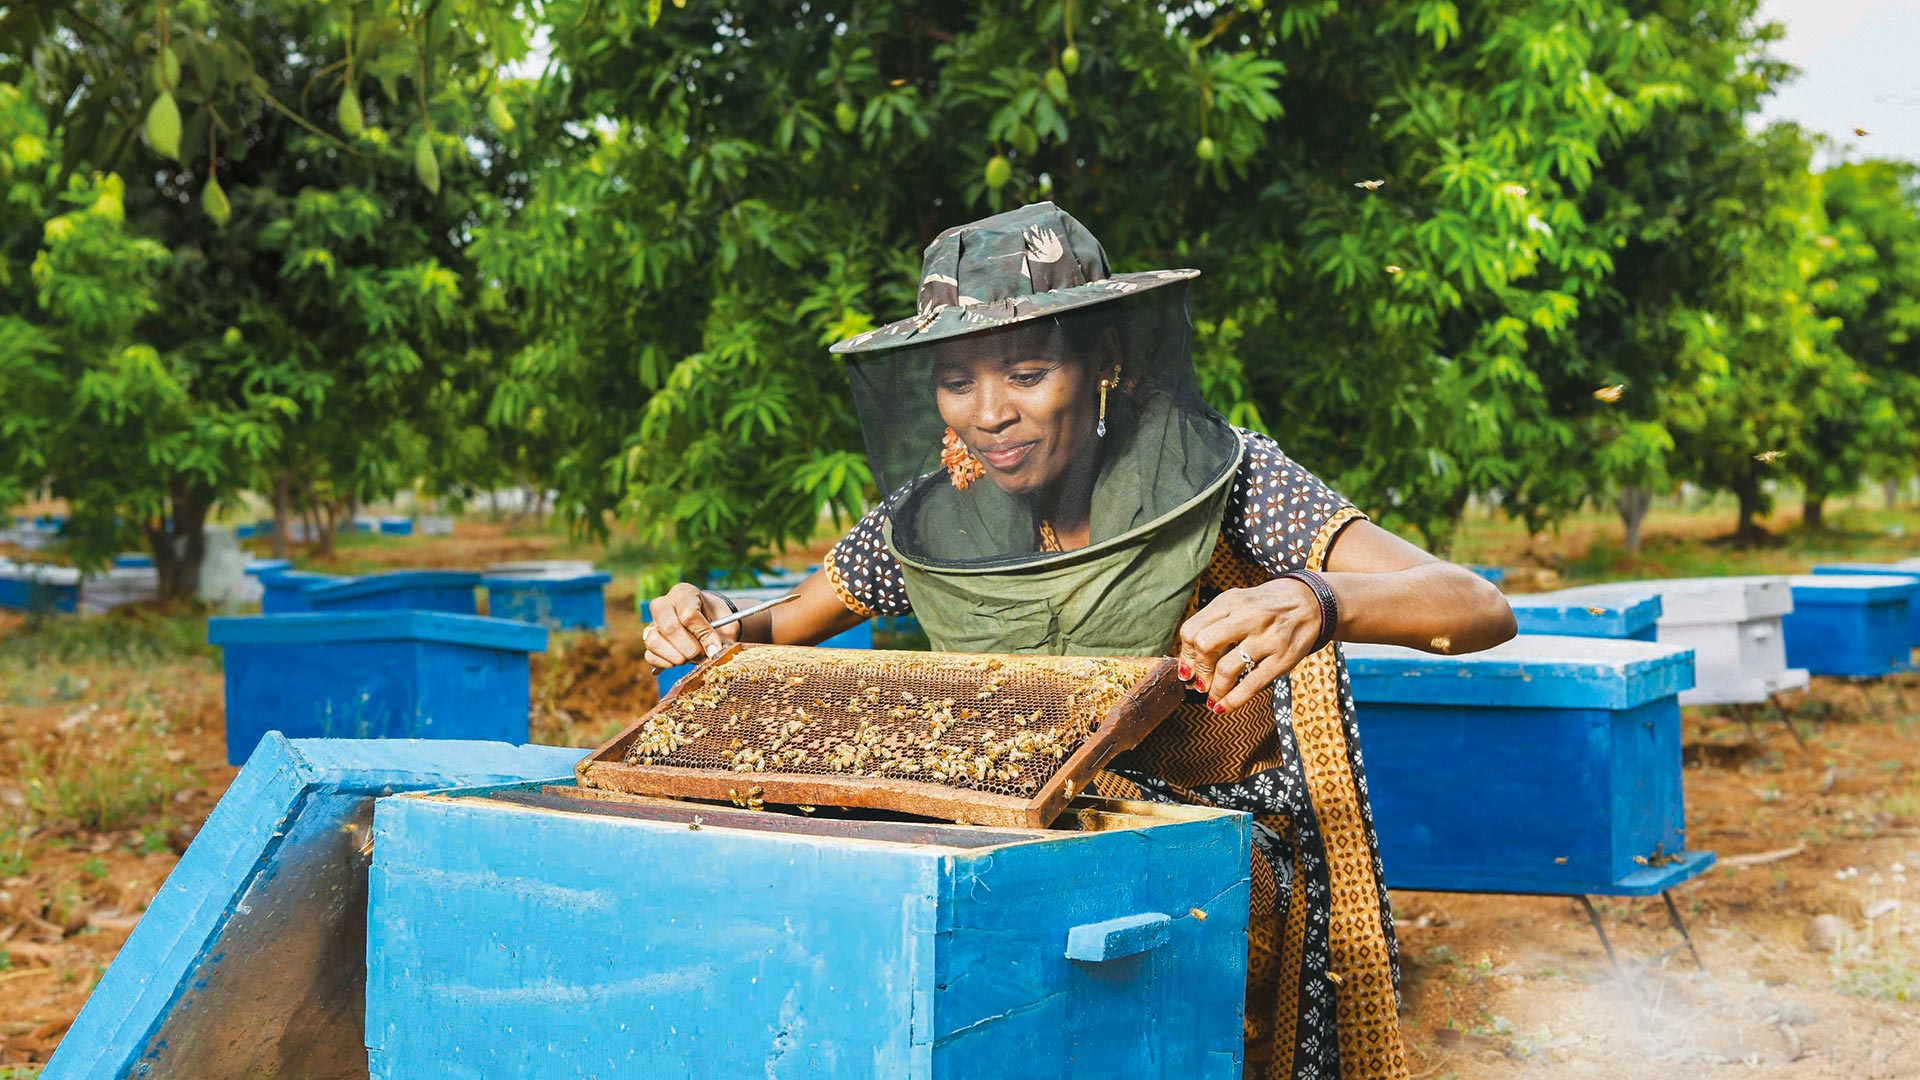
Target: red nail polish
[
  {"x": 1200, "y": 686},
  {"x": 1217, "y": 708},
  {"x": 1186, "y": 671}
]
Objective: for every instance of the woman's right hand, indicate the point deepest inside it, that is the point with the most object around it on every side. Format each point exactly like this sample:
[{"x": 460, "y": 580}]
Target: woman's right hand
[{"x": 682, "y": 628}]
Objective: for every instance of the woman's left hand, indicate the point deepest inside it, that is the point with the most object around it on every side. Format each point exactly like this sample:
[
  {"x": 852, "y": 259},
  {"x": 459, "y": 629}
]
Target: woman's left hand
[{"x": 1273, "y": 625}]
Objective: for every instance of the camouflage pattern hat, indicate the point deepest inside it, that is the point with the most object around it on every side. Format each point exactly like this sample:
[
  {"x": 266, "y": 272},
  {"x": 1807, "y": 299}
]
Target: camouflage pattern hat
[{"x": 1023, "y": 264}]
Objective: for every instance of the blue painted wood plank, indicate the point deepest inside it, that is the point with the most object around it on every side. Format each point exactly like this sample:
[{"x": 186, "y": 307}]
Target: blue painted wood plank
[
  {"x": 562, "y": 602},
  {"x": 1530, "y": 671},
  {"x": 1875, "y": 569},
  {"x": 284, "y": 592},
  {"x": 375, "y": 674},
  {"x": 1629, "y": 617},
  {"x": 505, "y": 941},
  {"x": 1563, "y": 801},
  {"x": 426, "y": 590},
  {"x": 249, "y": 961},
  {"x": 503, "y": 936},
  {"x": 1852, "y": 625}
]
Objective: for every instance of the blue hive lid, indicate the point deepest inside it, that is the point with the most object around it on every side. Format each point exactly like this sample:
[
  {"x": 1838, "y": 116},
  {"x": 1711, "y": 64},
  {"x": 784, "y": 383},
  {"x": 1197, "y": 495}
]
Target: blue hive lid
[
  {"x": 558, "y": 582},
  {"x": 1907, "y": 567},
  {"x": 1618, "y": 616},
  {"x": 257, "y": 567},
  {"x": 1851, "y": 588},
  {"x": 374, "y": 584},
  {"x": 319, "y": 628},
  {"x": 1531, "y": 671}
]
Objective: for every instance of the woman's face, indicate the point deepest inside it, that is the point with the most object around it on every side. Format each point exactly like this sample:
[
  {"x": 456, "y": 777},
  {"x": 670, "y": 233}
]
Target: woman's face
[{"x": 1027, "y": 417}]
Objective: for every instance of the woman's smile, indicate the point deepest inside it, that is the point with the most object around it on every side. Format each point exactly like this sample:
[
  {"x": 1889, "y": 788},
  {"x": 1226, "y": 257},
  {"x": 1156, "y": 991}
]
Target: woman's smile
[{"x": 1006, "y": 456}]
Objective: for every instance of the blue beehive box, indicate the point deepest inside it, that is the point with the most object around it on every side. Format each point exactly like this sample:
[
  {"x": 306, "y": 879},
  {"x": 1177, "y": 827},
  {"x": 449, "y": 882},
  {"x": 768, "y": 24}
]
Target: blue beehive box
[
  {"x": 536, "y": 934},
  {"x": 1627, "y": 618},
  {"x": 1545, "y": 765},
  {"x": 133, "y": 561},
  {"x": 1908, "y": 569},
  {"x": 264, "y": 567},
  {"x": 38, "y": 587},
  {"x": 558, "y": 602},
  {"x": 396, "y": 526},
  {"x": 284, "y": 592},
  {"x": 1495, "y": 574},
  {"x": 860, "y": 637},
  {"x": 1851, "y": 625},
  {"x": 375, "y": 674},
  {"x": 251, "y": 959},
  {"x": 402, "y": 590}
]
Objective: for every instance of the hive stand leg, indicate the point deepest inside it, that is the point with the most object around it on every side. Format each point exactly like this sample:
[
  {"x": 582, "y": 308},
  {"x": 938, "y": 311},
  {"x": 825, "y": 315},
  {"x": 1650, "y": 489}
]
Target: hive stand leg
[
  {"x": 1787, "y": 719},
  {"x": 1593, "y": 916},
  {"x": 1673, "y": 915},
  {"x": 1744, "y": 714}
]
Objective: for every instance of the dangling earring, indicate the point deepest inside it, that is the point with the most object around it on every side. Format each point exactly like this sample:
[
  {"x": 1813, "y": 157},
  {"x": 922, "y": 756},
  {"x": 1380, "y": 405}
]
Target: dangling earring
[
  {"x": 1105, "y": 385},
  {"x": 962, "y": 467}
]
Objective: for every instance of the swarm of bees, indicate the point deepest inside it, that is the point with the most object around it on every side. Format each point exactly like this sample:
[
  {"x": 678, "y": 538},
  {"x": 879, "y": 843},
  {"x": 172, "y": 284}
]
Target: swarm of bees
[{"x": 1002, "y": 724}]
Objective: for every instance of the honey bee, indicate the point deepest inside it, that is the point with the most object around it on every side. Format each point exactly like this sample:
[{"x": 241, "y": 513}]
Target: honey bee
[
  {"x": 1371, "y": 185},
  {"x": 1392, "y": 269},
  {"x": 1515, "y": 190},
  {"x": 1596, "y": 611},
  {"x": 1862, "y": 132},
  {"x": 1610, "y": 394},
  {"x": 1561, "y": 861},
  {"x": 1197, "y": 914},
  {"x": 694, "y": 825},
  {"x": 1443, "y": 643},
  {"x": 1768, "y": 457},
  {"x": 1334, "y": 978}
]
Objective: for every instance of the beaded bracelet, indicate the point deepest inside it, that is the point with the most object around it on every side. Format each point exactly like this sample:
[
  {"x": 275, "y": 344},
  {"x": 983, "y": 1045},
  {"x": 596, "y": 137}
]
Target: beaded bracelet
[{"x": 1329, "y": 604}]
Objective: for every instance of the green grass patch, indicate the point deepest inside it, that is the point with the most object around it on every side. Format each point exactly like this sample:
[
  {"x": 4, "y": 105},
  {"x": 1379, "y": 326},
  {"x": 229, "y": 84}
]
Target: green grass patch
[
  {"x": 131, "y": 639},
  {"x": 108, "y": 782}
]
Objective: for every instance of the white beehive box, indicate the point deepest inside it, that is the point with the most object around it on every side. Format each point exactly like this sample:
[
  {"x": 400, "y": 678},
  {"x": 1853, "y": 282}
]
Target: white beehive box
[{"x": 1732, "y": 624}]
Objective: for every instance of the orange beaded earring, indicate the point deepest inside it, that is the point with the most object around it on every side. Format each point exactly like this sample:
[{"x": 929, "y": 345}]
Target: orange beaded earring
[{"x": 962, "y": 467}]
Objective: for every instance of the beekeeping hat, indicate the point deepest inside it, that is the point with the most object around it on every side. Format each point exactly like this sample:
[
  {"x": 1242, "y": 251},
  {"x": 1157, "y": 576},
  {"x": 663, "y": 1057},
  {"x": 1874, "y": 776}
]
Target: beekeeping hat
[{"x": 1024, "y": 336}]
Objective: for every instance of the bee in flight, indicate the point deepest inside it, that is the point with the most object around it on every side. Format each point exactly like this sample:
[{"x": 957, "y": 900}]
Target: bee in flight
[
  {"x": 1610, "y": 394},
  {"x": 1371, "y": 185},
  {"x": 1768, "y": 457}
]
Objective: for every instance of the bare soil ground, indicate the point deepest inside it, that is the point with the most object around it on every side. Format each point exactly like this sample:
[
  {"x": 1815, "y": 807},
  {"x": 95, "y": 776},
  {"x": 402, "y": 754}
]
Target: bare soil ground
[{"x": 112, "y": 754}]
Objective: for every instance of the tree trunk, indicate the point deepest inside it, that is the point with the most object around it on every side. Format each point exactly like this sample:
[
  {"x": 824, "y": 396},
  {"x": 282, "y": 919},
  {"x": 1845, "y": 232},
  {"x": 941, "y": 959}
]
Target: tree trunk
[
  {"x": 282, "y": 515},
  {"x": 1892, "y": 489},
  {"x": 1813, "y": 511},
  {"x": 1632, "y": 505},
  {"x": 1747, "y": 490},
  {"x": 177, "y": 551}
]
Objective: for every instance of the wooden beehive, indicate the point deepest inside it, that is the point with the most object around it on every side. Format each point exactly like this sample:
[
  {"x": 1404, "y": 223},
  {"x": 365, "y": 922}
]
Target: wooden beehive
[{"x": 987, "y": 740}]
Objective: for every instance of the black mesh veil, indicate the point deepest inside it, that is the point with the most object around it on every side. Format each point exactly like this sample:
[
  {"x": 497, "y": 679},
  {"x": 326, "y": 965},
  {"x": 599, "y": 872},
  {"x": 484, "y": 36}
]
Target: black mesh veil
[{"x": 1021, "y": 402}]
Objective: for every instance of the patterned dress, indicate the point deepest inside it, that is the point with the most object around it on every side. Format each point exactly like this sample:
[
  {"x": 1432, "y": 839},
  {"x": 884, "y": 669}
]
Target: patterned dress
[{"x": 1322, "y": 971}]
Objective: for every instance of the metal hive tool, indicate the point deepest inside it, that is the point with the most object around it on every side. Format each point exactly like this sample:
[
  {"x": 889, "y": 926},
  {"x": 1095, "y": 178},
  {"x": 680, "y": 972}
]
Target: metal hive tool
[{"x": 988, "y": 740}]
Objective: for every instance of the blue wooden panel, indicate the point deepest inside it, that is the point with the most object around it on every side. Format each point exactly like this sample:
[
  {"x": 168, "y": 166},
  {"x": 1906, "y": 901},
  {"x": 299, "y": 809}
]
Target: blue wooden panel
[
  {"x": 1495, "y": 574},
  {"x": 574, "y": 602},
  {"x": 251, "y": 959},
  {"x": 1881, "y": 569},
  {"x": 1631, "y": 618},
  {"x": 24, "y": 592},
  {"x": 132, "y": 561},
  {"x": 396, "y": 526},
  {"x": 1008, "y": 1002},
  {"x": 1530, "y": 800},
  {"x": 414, "y": 590},
  {"x": 506, "y": 940},
  {"x": 283, "y": 592},
  {"x": 1851, "y": 625},
  {"x": 1531, "y": 671},
  {"x": 375, "y": 675},
  {"x": 260, "y": 567},
  {"x": 513, "y": 942}
]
